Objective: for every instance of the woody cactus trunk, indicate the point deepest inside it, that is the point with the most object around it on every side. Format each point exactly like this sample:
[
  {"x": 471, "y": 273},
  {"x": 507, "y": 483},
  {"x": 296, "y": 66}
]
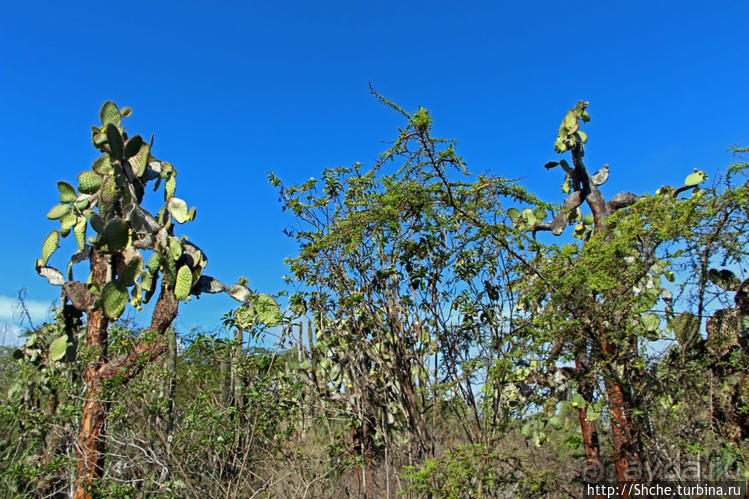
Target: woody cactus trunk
[
  {"x": 128, "y": 251},
  {"x": 582, "y": 187}
]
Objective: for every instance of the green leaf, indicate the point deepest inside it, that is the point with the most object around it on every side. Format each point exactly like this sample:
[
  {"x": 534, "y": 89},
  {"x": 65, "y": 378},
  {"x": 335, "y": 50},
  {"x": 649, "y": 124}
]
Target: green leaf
[
  {"x": 58, "y": 347},
  {"x": 109, "y": 114},
  {"x": 126, "y": 111},
  {"x": 67, "y": 193},
  {"x": 589, "y": 219},
  {"x": 114, "y": 299},
  {"x": 58, "y": 211},
  {"x": 513, "y": 213},
  {"x": 583, "y": 136},
  {"x": 551, "y": 164}
]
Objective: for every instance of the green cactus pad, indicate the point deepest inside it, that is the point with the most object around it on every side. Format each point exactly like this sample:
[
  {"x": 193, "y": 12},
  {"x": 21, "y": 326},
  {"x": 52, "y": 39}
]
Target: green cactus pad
[
  {"x": 67, "y": 193},
  {"x": 115, "y": 234},
  {"x": 83, "y": 201},
  {"x": 58, "y": 211},
  {"x": 650, "y": 322},
  {"x": 114, "y": 137},
  {"x": 724, "y": 279},
  {"x": 114, "y": 299},
  {"x": 266, "y": 310},
  {"x": 53, "y": 276},
  {"x": 183, "y": 283},
  {"x": 132, "y": 146},
  {"x": 695, "y": 178},
  {"x": 88, "y": 182},
  {"x": 169, "y": 187},
  {"x": 178, "y": 209},
  {"x": 103, "y": 165},
  {"x": 175, "y": 248},
  {"x": 49, "y": 246},
  {"x": 589, "y": 219},
  {"x": 154, "y": 263},
  {"x": 126, "y": 111},
  {"x": 685, "y": 327},
  {"x": 132, "y": 270},
  {"x": 139, "y": 161},
  {"x": 146, "y": 281},
  {"x": 66, "y": 223},
  {"x": 58, "y": 347},
  {"x": 109, "y": 114},
  {"x": 80, "y": 233}
]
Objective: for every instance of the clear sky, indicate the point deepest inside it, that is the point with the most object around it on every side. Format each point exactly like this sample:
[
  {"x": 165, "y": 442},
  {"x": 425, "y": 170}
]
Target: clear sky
[{"x": 232, "y": 90}]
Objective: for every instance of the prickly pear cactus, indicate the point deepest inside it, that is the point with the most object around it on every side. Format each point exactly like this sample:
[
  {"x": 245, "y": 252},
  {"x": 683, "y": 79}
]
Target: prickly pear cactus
[{"x": 105, "y": 214}]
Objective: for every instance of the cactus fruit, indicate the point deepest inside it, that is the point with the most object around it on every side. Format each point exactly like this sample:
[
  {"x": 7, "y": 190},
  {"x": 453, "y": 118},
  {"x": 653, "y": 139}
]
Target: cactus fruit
[
  {"x": 114, "y": 299},
  {"x": 88, "y": 182},
  {"x": 183, "y": 283}
]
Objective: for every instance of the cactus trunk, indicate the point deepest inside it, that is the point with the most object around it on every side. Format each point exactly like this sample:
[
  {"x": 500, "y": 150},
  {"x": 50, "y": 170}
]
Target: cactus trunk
[{"x": 91, "y": 445}]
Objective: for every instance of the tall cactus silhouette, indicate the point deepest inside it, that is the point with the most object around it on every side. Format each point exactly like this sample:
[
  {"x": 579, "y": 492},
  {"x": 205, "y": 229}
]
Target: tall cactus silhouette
[{"x": 128, "y": 250}]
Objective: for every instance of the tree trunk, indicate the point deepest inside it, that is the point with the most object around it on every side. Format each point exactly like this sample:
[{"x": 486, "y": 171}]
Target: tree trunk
[{"x": 90, "y": 445}]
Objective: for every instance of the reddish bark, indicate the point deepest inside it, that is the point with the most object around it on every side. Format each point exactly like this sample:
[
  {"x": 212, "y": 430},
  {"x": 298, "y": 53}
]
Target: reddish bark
[{"x": 91, "y": 445}]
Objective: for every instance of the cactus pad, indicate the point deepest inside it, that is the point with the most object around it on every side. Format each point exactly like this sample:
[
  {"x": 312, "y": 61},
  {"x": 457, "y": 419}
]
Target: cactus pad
[
  {"x": 88, "y": 182},
  {"x": 109, "y": 114},
  {"x": 183, "y": 283},
  {"x": 114, "y": 299},
  {"x": 49, "y": 246},
  {"x": 67, "y": 193}
]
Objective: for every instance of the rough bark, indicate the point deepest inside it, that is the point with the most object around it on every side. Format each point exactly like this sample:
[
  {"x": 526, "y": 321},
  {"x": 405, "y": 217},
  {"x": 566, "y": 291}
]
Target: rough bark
[{"x": 91, "y": 445}]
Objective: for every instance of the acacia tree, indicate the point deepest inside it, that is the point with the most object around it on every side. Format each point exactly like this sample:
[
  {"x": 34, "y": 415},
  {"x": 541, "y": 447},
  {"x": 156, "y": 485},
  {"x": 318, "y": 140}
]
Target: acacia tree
[
  {"x": 109, "y": 199},
  {"x": 407, "y": 293}
]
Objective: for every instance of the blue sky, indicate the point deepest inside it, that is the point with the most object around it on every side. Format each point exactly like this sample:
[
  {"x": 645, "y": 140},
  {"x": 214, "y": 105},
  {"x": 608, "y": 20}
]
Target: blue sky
[{"x": 232, "y": 91}]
